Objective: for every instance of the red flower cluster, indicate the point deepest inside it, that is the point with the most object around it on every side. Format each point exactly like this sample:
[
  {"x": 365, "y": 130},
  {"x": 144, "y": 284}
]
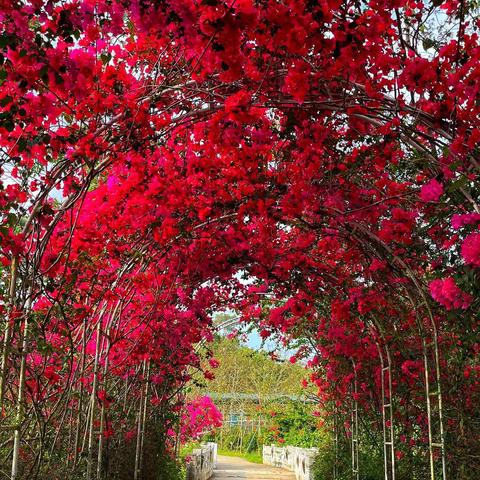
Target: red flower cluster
[
  {"x": 431, "y": 191},
  {"x": 471, "y": 249},
  {"x": 446, "y": 292}
]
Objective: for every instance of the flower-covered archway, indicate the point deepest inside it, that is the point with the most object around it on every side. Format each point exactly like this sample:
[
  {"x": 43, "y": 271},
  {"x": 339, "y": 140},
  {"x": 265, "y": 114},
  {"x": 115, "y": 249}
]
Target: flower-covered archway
[{"x": 153, "y": 153}]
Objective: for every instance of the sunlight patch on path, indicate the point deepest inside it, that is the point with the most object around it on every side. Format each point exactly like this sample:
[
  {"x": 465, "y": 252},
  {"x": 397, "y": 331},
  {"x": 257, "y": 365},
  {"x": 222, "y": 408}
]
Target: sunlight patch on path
[{"x": 232, "y": 468}]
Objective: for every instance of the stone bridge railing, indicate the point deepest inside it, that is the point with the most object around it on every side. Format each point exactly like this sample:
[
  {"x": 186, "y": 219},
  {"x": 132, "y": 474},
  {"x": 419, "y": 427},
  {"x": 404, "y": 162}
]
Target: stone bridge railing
[
  {"x": 298, "y": 460},
  {"x": 202, "y": 462}
]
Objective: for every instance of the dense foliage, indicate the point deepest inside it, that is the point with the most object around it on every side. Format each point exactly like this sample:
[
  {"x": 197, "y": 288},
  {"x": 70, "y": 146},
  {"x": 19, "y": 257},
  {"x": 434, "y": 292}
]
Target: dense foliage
[
  {"x": 155, "y": 153},
  {"x": 240, "y": 369}
]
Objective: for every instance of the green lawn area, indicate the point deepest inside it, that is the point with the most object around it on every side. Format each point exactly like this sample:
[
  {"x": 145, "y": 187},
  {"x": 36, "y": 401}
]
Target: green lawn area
[{"x": 254, "y": 457}]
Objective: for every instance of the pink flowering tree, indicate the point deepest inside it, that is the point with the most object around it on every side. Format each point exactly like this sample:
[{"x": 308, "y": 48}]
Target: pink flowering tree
[{"x": 200, "y": 416}]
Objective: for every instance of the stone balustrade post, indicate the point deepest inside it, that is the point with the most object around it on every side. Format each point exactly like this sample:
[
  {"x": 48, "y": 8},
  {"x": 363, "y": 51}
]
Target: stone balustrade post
[
  {"x": 295, "y": 459},
  {"x": 202, "y": 462}
]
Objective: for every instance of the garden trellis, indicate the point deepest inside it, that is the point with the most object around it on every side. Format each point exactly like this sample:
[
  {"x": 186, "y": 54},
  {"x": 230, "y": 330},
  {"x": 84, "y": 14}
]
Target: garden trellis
[{"x": 312, "y": 166}]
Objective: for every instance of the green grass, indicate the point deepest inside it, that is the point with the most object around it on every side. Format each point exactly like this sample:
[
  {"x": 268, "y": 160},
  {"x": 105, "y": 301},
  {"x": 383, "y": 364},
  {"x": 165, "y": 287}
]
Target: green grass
[
  {"x": 188, "y": 448},
  {"x": 254, "y": 457}
]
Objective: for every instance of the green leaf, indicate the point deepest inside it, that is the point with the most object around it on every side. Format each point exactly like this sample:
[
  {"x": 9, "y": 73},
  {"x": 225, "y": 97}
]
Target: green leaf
[
  {"x": 6, "y": 100},
  {"x": 12, "y": 219},
  {"x": 458, "y": 184},
  {"x": 8, "y": 125},
  {"x": 428, "y": 43},
  {"x": 105, "y": 57},
  {"x": 3, "y": 76},
  {"x": 8, "y": 40},
  {"x": 22, "y": 145},
  {"x": 44, "y": 73}
]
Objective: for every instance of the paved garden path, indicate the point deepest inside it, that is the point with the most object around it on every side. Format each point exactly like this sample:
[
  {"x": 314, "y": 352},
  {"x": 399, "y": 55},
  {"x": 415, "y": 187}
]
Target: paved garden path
[{"x": 233, "y": 468}]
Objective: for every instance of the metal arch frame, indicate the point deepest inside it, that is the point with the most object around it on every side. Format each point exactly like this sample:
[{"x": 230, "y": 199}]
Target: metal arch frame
[
  {"x": 435, "y": 392},
  {"x": 387, "y": 412},
  {"x": 387, "y": 402},
  {"x": 354, "y": 426},
  {"x": 335, "y": 442},
  {"x": 387, "y": 406},
  {"x": 226, "y": 323}
]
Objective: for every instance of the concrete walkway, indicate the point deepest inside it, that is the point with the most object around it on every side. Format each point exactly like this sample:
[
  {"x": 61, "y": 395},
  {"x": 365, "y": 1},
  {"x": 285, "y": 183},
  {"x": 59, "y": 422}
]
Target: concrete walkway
[{"x": 232, "y": 468}]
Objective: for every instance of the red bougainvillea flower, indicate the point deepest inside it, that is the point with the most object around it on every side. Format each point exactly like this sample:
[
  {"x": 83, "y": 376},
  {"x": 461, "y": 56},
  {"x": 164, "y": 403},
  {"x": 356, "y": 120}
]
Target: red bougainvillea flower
[
  {"x": 459, "y": 221},
  {"x": 431, "y": 191},
  {"x": 471, "y": 249},
  {"x": 446, "y": 292}
]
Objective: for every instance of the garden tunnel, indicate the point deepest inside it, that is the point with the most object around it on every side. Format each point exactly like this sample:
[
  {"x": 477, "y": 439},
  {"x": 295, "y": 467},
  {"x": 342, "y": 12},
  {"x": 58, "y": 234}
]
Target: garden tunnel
[{"x": 312, "y": 166}]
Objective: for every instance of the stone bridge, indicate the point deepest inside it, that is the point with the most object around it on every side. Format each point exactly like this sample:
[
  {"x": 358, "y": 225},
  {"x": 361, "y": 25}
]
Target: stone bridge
[{"x": 279, "y": 463}]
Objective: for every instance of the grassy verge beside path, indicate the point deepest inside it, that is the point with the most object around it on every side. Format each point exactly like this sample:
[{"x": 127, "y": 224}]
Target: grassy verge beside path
[{"x": 254, "y": 457}]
